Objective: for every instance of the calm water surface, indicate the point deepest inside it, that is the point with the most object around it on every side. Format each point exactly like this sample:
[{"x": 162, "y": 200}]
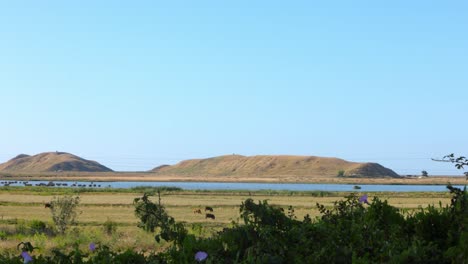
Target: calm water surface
[{"x": 252, "y": 186}]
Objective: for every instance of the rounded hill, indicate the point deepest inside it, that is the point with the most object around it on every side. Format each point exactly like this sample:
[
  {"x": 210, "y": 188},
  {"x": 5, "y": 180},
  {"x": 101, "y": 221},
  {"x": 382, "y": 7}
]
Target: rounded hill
[
  {"x": 51, "y": 162},
  {"x": 264, "y": 165}
]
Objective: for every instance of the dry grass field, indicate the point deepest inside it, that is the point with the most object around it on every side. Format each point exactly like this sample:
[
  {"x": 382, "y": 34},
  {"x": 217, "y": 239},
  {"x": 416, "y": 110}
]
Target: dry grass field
[
  {"x": 18, "y": 209},
  {"x": 149, "y": 176},
  {"x": 98, "y": 207}
]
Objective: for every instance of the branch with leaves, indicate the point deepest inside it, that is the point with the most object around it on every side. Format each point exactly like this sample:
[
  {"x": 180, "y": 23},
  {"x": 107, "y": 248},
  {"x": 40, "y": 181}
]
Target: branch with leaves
[
  {"x": 459, "y": 162},
  {"x": 153, "y": 217}
]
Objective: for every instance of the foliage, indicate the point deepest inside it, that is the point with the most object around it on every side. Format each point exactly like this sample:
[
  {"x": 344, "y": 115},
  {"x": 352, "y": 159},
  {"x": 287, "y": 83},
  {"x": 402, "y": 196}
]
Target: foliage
[
  {"x": 341, "y": 173},
  {"x": 64, "y": 211},
  {"x": 31, "y": 227},
  {"x": 459, "y": 162},
  {"x": 424, "y": 173},
  {"x": 37, "y": 226},
  {"x": 109, "y": 227},
  {"x": 349, "y": 232},
  {"x": 25, "y": 246},
  {"x": 154, "y": 190},
  {"x": 3, "y": 235},
  {"x": 154, "y": 216},
  {"x": 353, "y": 230}
]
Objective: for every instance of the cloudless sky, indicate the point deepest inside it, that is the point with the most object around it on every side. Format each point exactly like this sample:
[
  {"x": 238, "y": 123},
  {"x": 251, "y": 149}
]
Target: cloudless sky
[{"x": 137, "y": 84}]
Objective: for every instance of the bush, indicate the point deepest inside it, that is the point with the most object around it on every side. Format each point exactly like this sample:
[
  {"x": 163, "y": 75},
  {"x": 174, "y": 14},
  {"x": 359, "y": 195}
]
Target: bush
[
  {"x": 64, "y": 211},
  {"x": 110, "y": 227},
  {"x": 353, "y": 230},
  {"x": 3, "y": 235},
  {"x": 154, "y": 216},
  {"x": 38, "y": 227},
  {"x": 21, "y": 228},
  {"x": 153, "y": 190}
]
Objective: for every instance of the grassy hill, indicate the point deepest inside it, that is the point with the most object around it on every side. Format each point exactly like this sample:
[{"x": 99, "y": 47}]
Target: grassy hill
[
  {"x": 51, "y": 162},
  {"x": 237, "y": 165}
]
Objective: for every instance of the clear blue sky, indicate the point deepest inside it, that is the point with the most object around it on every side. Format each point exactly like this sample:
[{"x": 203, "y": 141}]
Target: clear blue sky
[{"x": 138, "y": 84}]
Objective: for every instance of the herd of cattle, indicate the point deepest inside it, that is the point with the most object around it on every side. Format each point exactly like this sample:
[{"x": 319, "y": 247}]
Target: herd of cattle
[
  {"x": 49, "y": 184},
  {"x": 207, "y": 215}
]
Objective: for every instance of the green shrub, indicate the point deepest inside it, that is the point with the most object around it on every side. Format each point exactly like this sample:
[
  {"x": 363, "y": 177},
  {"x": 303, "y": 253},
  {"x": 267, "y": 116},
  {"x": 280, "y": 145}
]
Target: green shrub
[
  {"x": 3, "y": 235},
  {"x": 64, "y": 211},
  {"x": 153, "y": 190},
  {"x": 21, "y": 228},
  {"x": 154, "y": 216},
  {"x": 352, "y": 231},
  {"x": 110, "y": 227},
  {"x": 37, "y": 227}
]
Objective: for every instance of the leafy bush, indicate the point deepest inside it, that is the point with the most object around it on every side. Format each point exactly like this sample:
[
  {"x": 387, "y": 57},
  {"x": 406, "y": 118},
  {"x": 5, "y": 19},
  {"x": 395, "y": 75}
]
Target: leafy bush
[
  {"x": 109, "y": 227},
  {"x": 64, "y": 211},
  {"x": 353, "y": 230},
  {"x": 153, "y": 190},
  {"x": 154, "y": 216},
  {"x": 39, "y": 227},
  {"x": 21, "y": 227},
  {"x": 3, "y": 235}
]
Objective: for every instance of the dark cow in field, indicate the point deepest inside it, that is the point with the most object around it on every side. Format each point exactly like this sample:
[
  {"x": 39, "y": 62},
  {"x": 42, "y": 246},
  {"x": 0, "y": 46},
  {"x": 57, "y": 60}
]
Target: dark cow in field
[
  {"x": 47, "y": 205},
  {"x": 208, "y": 208},
  {"x": 212, "y": 216},
  {"x": 197, "y": 211}
]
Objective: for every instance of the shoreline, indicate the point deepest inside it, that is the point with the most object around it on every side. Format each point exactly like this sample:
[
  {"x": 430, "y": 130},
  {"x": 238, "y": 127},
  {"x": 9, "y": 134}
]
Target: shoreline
[{"x": 151, "y": 177}]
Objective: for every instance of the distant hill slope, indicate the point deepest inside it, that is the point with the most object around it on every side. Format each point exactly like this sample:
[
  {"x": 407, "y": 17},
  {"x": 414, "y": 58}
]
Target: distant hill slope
[
  {"x": 237, "y": 165},
  {"x": 51, "y": 162}
]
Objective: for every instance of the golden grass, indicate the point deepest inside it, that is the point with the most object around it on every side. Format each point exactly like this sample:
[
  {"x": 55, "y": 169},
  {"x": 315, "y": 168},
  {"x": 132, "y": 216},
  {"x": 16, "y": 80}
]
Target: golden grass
[
  {"x": 97, "y": 208},
  {"x": 50, "y": 161},
  {"x": 270, "y": 165},
  {"x": 148, "y": 176}
]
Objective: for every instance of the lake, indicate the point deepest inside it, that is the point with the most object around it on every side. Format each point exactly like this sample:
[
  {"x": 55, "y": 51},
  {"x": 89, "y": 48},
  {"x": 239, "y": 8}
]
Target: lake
[{"x": 247, "y": 186}]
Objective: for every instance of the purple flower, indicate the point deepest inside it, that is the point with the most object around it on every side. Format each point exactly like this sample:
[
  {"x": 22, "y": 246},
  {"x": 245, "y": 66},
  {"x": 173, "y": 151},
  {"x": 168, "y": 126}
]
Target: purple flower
[
  {"x": 200, "y": 256},
  {"x": 27, "y": 258},
  {"x": 92, "y": 246},
  {"x": 363, "y": 199}
]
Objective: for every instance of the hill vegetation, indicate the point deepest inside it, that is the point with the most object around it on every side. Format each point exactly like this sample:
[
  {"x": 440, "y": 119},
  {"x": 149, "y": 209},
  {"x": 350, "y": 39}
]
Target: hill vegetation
[
  {"x": 216, "y": 168},
  {"x": 51, "y": 162},
  {"x": 237, "y": 165}
]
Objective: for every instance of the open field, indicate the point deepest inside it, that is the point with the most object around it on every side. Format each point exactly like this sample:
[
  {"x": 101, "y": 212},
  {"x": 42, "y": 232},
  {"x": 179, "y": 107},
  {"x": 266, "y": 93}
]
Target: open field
[
  {"x": 148, "y": 176},
  {"x": 18, "y": 207}
]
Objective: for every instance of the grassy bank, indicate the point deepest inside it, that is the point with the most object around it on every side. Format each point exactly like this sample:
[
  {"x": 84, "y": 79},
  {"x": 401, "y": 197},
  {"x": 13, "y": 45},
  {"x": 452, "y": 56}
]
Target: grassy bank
[
  {"x": 21, "y": 207},
  {"x": 148, "y": 176}
]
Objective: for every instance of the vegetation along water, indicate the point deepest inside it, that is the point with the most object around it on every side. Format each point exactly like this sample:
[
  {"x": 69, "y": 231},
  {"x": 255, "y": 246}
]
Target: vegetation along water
[{"x": 138, "y": 226}]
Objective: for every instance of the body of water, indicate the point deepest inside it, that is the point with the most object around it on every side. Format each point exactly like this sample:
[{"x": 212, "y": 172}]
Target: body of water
[{"x": 241, "y": 186}]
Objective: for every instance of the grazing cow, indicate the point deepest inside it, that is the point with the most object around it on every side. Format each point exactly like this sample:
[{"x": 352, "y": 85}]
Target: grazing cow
[
  {"x": 47, "y": 205},
  {"x": 208, "y": 208},
  {"x": 197, "y": 211},
  {"x": 212, "y": 216}
]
